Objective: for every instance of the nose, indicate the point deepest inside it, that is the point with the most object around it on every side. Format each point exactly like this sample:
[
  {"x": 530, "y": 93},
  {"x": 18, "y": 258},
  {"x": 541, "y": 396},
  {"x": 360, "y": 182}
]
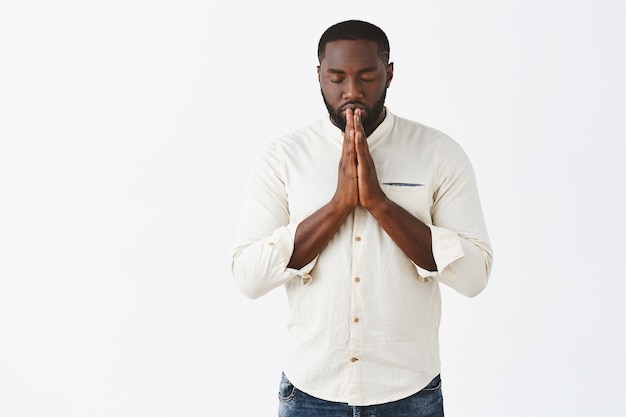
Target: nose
[{"x": 352, "y": 89}]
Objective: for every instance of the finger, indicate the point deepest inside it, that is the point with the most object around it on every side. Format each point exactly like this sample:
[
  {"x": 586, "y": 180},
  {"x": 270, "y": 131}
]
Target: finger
[
  {"x": 357, "y": 122},
  {"x": 348, "y": 142},
  {"x": 349, "y": 122},
  {"x": 361, "y": 148},
  {"x": 349, "y": 151},
  {"x": 353, "y": 140}
]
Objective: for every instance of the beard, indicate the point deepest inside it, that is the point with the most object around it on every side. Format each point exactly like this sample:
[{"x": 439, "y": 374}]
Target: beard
[{"x": 369, "y": 122}]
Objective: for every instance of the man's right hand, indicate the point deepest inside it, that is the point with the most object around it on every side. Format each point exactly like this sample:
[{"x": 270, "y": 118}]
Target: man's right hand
[
  {"x": 314, "y": 232},
  {"x": 347, "y": 194}
]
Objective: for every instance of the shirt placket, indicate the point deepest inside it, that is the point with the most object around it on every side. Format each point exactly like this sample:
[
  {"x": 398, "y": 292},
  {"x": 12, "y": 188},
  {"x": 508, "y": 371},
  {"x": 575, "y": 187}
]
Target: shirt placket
[{"x": 356, "y": 307}]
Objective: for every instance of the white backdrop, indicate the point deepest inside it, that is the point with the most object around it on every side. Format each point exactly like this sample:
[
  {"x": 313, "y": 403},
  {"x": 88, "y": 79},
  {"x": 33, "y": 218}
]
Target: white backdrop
[{"x": 126, "y": 131}]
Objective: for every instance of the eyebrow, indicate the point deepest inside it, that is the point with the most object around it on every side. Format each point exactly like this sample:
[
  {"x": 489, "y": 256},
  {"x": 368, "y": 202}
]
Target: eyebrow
[{"x": 362, "y": 70}]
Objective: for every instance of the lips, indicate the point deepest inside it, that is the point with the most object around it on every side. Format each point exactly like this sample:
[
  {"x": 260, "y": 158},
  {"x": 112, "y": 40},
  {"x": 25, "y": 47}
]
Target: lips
[{"x": 353, "y": 106}]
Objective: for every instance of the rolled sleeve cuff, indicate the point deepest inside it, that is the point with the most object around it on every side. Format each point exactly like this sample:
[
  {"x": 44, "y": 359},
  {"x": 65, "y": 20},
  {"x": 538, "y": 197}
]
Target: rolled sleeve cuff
[
  {"x": 283, "y": 239},
  {"x": 447, "y": 248}
]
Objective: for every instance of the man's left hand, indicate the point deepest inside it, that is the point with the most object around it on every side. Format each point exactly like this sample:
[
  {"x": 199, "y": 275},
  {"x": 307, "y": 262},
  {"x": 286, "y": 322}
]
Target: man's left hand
[{"x": 370, "y": 193}]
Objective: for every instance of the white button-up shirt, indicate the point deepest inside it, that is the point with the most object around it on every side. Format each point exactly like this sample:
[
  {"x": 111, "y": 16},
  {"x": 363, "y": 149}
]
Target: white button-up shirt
[{"x": 364, "y": 319}]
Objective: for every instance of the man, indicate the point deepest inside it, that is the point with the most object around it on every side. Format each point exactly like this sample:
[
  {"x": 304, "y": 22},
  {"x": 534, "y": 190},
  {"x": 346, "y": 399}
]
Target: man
[{"x": 360, "y": 217}]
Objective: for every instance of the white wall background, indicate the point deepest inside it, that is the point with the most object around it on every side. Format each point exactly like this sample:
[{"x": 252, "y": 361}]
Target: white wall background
[{"x": 126, "y": 129}]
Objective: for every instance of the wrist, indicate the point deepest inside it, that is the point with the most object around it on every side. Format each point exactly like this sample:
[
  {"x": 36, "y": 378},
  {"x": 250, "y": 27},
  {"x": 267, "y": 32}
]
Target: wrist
[
  {"x": 377, "y": 206},
  {"x": 341, "y": 206}
]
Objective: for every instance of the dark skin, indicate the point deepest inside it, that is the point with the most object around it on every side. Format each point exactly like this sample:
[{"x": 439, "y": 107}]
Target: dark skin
[{"x": 353, "y": 77}]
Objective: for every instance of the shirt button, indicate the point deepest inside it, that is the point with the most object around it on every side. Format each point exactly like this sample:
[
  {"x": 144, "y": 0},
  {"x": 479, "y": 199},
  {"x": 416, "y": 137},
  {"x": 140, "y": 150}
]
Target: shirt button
[
  {"x": 358, "y": 238},
  {"x": 357, "y": 279},
  {"x": 356, "y": 319},
  {"x": 425, "y": 280},
  {"x": 353, "y": 359}
]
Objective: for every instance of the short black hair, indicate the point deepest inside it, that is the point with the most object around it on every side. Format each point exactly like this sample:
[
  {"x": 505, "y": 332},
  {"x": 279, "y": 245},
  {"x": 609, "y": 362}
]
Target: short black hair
[{"x": 355, "y": 30}]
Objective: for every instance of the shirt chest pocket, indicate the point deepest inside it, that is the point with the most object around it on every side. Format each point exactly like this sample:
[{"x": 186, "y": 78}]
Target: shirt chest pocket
[{"x": 413, "y": 197}]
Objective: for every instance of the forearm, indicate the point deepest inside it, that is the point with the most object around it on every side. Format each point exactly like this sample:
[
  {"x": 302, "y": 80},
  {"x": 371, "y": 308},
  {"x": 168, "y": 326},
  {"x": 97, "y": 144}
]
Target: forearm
[
  {"x": 408, "y": 232},
  {"x": 314, "y": 233},
  {"x": 466, "y": 270}
]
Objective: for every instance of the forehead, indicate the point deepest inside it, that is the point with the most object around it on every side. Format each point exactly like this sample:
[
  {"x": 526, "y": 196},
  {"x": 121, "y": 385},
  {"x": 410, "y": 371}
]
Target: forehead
[{"x": 351, "y": 54}]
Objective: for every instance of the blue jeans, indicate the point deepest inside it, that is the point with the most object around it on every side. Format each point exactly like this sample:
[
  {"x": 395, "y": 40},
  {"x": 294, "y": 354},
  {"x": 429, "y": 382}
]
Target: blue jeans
[{"x": 295, "y": 403}]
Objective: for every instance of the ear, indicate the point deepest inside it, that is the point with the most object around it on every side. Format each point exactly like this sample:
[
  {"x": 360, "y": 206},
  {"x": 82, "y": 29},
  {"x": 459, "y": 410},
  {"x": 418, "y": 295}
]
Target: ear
[
  {"x": 319, "y": 79},
  {"x": 389, "y": 73}
]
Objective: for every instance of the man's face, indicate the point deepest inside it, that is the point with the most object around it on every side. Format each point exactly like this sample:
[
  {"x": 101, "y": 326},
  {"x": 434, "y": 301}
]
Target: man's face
[{"x": 353, "y": 75}]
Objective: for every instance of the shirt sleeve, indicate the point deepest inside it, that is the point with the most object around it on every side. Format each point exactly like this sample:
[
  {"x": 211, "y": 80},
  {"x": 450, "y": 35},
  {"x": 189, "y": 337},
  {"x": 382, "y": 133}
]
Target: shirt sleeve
[
  {"x": 264, "y": 240},
  {"x": 460, "y": 241}
]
